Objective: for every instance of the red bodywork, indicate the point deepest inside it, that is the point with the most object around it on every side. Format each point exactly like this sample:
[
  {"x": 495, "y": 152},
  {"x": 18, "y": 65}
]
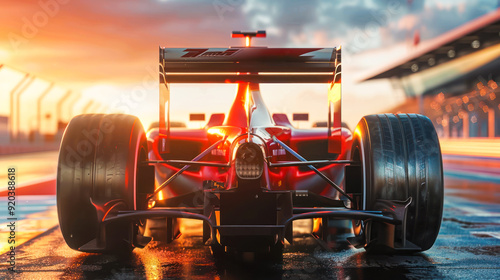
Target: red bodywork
[{"x": 249, "y": 113}]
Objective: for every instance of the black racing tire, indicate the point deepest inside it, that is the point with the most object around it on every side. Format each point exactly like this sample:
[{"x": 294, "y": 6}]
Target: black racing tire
[
  {"x": 98, "y": 161},
  {"x": 400, "y": 158}
]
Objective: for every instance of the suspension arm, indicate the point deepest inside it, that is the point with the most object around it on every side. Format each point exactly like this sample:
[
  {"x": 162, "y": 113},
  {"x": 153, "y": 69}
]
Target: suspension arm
[
  {"x": 299, "y": 157},
  {"x": 197, "y": 158}
]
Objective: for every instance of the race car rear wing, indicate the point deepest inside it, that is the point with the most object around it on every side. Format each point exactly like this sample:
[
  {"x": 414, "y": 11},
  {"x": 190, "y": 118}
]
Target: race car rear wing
[
  {"x": 248, "y": 64},
  {"x": 252, "y": 65}
]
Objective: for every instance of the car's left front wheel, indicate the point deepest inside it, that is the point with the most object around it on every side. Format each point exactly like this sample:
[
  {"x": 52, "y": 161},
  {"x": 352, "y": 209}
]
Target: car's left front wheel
[{"x": 98, "y": 166}]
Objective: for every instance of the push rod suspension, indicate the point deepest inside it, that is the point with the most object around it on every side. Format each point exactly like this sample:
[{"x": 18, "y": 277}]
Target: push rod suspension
[
  {"x": 197, "y": 158},
  {"x": 299, "y": 157}
]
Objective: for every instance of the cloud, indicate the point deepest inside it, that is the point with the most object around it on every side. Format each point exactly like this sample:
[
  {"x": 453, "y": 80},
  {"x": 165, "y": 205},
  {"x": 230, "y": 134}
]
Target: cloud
[
  {"x": 361, "y": 23},
  {"x": 299, "y": 20}
]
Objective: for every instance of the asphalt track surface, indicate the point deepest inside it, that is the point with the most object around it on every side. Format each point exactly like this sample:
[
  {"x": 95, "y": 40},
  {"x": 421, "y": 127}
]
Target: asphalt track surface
[{"x": 468, "y": 245}]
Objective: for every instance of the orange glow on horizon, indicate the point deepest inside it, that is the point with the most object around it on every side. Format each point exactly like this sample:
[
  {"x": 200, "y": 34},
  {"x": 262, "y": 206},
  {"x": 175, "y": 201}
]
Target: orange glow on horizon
[
  {"x": 53, "y": 49},
  {"x": 4, "y": 55},
  {"x": 247, "y": 41}
]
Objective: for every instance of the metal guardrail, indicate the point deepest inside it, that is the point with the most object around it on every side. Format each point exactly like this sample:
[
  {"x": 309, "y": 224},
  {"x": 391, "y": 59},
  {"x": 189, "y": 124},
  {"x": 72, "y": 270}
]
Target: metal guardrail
[{"x": 20, "y": 84}]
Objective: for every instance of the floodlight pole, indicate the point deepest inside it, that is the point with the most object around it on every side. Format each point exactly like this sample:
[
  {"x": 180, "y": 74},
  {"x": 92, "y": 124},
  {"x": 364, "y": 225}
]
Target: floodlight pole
[
  {"x": 87, "y": 107},
  {"x": 39, "y": 107},
  {"x": 72, "y": 103},
  {"x": 18, "y": 106},
  {"x": 94, "y": 108},
  {"x": 11, "y": 117},
  {"x": 59, "y": 105}
]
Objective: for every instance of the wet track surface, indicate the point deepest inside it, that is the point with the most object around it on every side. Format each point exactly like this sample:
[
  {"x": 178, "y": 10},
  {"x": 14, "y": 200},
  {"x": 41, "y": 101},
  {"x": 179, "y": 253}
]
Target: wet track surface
[{"x": 467, "y": 247}]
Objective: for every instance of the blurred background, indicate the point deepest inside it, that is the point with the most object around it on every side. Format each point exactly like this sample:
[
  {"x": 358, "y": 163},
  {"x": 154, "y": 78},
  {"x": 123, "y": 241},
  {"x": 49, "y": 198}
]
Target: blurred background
[{"x": 61, "y": 58}]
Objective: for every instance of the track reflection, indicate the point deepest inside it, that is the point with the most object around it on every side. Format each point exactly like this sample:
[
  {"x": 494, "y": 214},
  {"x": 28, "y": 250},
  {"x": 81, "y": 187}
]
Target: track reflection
[{"x": 469, "y": 241}]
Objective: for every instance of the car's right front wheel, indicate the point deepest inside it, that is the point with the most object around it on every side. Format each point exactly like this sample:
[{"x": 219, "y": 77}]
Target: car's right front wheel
[{"x": 400, "y": 157}]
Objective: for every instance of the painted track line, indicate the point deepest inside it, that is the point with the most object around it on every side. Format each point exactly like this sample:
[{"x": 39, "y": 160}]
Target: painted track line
[{"x": 43, "y": 186}]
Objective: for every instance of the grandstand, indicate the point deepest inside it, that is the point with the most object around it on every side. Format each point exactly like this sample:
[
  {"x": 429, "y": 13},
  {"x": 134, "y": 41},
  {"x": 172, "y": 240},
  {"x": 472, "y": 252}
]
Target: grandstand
[{"x": 454, "y": 80}]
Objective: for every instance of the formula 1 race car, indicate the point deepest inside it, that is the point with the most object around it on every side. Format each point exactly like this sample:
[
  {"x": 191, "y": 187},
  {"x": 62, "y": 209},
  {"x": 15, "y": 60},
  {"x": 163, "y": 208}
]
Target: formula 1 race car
[{"x": 249, "y": 174}]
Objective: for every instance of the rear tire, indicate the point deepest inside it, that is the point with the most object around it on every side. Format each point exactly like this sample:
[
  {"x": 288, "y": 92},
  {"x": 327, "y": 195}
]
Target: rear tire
[
  {"x": 98, "y": 162},
  {"x": 400, "y": 158}
]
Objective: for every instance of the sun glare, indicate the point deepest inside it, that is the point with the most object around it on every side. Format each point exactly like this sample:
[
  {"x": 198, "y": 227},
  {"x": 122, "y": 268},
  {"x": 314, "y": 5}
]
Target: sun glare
[{"x": 4, "y": 56}]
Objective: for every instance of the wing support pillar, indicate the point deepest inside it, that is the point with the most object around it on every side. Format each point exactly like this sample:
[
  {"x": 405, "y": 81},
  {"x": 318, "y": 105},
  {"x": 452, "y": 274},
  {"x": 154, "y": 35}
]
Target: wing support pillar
[
  {"x": 335, "y": 107},
  {"x": 164, "y": 126}
]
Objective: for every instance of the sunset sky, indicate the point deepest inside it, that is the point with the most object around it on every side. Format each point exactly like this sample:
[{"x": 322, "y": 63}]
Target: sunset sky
[{"x": 108, "y": 49}]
